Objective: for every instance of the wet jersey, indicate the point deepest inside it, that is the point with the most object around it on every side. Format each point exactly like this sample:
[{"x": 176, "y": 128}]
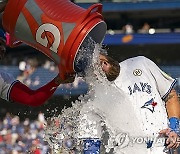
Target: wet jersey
[
  {"x": 6, "y": 83},
  {"x": 146, "y": 86}
]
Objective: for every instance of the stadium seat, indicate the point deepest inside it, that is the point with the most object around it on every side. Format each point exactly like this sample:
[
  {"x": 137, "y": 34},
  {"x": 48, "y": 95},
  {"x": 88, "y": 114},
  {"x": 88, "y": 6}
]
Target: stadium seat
[
  {"x": 14, "y": 70},
  {"x": 173, "y": 71},
  {"x": 42, "y": 75}
]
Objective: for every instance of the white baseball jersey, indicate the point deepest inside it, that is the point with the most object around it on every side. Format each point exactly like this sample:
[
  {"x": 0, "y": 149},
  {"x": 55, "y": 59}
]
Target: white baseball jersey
[
  {"x": 146, "y": 86},
  {"x": 6, "y": 83}
]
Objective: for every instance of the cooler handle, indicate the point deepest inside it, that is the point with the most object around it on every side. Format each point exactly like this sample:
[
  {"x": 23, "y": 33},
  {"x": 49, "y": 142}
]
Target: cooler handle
[
  {"x": 92, "y": 9},
  {"x": 95, "y": 8}
]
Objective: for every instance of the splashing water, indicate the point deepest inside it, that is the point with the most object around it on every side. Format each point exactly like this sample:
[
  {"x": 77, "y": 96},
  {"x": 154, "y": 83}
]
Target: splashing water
[
  {"x": 101, "y": 113},
  {"x": 84, "y": 55}
]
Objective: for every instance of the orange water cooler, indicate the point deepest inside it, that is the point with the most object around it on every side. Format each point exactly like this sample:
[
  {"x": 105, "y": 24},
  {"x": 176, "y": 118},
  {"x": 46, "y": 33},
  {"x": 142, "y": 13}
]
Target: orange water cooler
[{"x": 57, "y": 28}]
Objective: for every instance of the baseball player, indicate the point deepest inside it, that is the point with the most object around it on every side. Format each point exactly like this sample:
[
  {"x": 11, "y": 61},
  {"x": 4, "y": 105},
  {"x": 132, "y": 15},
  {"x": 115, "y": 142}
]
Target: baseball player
[
  {"x": 13, "y": 90},
  {"x": 150, "y": 92}
]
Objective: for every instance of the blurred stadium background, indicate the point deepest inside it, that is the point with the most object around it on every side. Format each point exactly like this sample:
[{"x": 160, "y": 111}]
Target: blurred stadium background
[{"x": 135, "y": 27}]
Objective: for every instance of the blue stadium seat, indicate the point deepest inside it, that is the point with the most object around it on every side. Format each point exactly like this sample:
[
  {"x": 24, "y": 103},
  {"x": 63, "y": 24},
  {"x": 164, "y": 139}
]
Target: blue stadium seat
[
  {"x": 14, "y": 70},
  {"x": 173, "y": 71},
  {"x": 43, "y": 76},
  {"x": 82, "y": 89}
]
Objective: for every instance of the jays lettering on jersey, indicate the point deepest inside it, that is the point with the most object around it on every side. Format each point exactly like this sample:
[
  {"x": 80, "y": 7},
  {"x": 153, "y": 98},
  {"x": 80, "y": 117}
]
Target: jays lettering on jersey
[
  {"x": 146, "y": 86},
  {"x": 6, "y": 83}
]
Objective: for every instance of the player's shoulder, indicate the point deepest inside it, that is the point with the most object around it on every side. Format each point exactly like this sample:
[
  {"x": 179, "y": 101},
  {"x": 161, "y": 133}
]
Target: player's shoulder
[
  {"x": 139, "y": 58},
  {"x": 136, "y": 60}
]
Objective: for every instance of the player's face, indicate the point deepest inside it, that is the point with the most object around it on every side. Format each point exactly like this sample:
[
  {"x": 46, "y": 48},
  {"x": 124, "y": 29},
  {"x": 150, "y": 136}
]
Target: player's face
[
  {"x": 104, "y": 64},
  {"x": 2, "y": 48}
]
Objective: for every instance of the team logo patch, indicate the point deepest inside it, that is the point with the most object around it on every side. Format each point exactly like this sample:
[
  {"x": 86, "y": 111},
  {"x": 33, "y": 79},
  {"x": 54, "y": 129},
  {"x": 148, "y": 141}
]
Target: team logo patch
[
  {"x": 137, "y": 72},
  {"x": 150, "y": 105}
]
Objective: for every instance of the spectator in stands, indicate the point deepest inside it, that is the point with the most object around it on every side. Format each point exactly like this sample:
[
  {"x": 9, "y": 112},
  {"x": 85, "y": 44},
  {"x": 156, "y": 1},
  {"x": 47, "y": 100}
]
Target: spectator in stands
[
  {"x": 145, "y": 28},
  {"x": 13, "y": 90},
  {"x": 27, "y": 137},
  {"x": 128, "y": 29},
  {"x": 154, "y": 101},
  {"x": 27, "y": 69},
  {"x": 50, "y": 65}
]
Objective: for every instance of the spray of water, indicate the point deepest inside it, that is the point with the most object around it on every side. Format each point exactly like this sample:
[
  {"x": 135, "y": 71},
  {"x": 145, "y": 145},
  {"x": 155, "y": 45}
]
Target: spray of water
[{"x": 101, "y": 113}]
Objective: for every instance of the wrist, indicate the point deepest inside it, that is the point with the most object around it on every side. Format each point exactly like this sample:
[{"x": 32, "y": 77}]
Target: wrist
[
  {"x": 57, "y": 80},
  {"x": 174, "y": 124}
]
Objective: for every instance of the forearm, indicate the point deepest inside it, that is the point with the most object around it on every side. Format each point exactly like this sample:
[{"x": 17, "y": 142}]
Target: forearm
[
  {"x": 173, "y": 105},
  {"x": 24, "y": 95}
]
